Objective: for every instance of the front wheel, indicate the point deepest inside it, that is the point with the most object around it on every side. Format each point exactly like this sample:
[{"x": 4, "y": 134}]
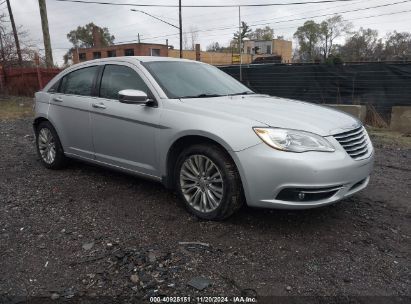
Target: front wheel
[
  {"x": 208, "y": 182},
  {"x": 49, "y": 147}
]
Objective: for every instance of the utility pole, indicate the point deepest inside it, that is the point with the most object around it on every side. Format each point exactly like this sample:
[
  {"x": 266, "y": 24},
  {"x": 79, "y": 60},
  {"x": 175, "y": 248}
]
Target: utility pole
[
  {"x": 76, "y": 45},
  {"x": 16, "y": 37},
  {"x": 46, "y": 34},
  {"x": 181, "y": 28},
  {"x": 239, "y": 42}
]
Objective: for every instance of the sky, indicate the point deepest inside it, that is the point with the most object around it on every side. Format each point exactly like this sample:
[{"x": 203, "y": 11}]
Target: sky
[{"x": 213, "y": 24}]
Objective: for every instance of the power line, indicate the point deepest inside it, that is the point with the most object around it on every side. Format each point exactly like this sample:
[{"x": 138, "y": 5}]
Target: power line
[
  {"x": 316, "y": 16},
  {"x": 297, "y": 19},
  {"x": 243, "y": 16},
  {"x": 155, "y": 17},
  {"x": 228, "y": 28},
  {"x": 189, "y": 17},
  {"x": 331, "y": 14},
  {"x": 204, "y": 6},
  {"x": 283, "y": 21}
]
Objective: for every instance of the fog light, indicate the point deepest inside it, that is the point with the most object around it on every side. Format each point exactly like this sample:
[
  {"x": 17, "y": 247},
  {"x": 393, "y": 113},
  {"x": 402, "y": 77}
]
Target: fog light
[{"x": 301, "y": 196}]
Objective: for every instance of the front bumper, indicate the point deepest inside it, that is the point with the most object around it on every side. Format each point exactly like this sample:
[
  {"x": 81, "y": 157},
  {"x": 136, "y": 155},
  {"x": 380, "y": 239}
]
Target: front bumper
[{"x": 265, "y": 172}]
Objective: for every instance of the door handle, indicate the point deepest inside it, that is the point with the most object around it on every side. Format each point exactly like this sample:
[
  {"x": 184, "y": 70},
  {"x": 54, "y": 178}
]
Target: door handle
[
  {"x": 99, "y": 105},
  {"x": 58, "y": 99}
]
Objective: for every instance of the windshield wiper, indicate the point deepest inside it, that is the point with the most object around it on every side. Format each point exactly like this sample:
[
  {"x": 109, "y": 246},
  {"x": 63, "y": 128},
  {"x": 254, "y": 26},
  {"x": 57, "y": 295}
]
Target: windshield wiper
[
  {"x": 242, "y": 93},
  {"x": 203, "y": 95}
]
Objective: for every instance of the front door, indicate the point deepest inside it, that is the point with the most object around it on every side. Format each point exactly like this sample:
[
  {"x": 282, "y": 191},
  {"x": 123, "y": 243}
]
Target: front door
[{"x": 124, "y": 134}]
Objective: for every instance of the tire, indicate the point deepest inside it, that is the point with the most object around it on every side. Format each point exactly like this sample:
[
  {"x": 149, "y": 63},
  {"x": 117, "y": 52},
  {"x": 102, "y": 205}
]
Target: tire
[
  {"x": 48, "y": 141},
  {"x": 221, "y": 199}
]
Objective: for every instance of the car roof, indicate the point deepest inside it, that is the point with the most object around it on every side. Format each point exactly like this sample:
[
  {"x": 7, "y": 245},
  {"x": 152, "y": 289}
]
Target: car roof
[
  {"x": 134, "y": 59},
  {"x": 156, "y": 58},
  {"x": 130, "y": 59}
]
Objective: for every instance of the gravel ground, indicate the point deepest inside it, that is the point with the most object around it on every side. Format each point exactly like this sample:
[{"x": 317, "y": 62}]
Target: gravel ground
[{"x": 91, "y": 232}]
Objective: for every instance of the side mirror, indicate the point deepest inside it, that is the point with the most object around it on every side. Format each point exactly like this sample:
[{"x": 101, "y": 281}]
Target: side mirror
[{"x": 133, "y": 97}]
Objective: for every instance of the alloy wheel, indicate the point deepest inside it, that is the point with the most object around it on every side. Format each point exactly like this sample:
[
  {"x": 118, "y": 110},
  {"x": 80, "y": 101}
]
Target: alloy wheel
[
  {"x": 47, "y": 145},
  {"x": 201, "y": 183}
]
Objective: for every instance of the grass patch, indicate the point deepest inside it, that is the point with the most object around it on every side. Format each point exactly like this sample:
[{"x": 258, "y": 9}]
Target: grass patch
[
  {"x": 391, "y": 138},
  {"x": 15, "y": 107}
]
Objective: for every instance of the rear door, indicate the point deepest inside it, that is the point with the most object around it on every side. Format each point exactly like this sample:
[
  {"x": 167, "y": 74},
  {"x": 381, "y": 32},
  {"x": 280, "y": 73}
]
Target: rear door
[
  {"x": 70, "y": 111},
  {"x": 124, "y": 134}
]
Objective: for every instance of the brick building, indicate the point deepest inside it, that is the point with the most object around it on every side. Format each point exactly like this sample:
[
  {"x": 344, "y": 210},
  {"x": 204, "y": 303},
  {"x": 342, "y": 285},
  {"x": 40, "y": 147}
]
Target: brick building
[
  {"x": 277, "y": 47},
  {"x": 131, "y": 49}
]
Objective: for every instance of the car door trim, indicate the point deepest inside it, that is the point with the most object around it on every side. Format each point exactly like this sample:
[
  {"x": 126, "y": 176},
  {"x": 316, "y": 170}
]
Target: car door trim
[
  {"x": 157, "y": 126},
  {"x": 153, "y": 177}
]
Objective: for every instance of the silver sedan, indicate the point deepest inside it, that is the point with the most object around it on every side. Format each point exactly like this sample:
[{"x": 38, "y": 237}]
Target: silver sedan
[{"x": 199, "y": 131}]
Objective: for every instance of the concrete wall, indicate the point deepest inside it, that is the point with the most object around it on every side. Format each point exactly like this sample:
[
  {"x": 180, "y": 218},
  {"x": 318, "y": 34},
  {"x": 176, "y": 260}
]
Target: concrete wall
[
  {"x": 401, "y": 119},
  {"x": 357, "y": 111},
  {"x": 213, "y": 58}
]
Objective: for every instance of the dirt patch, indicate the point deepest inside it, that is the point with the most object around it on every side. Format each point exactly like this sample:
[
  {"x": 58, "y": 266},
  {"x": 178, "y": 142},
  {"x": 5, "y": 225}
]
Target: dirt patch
[{"x": 87, "y": 231}]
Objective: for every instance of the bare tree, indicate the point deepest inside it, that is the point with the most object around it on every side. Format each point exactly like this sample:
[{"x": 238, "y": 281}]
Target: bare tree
[
  {"x": 190, "y": 38},
  {"x": 363, "y": 45},
  {"x": 398, "y": 46},
  {"x": 185, "y": 41},
  {"x": 9, "y": 56},
  {"x": 330, "y": 30}
]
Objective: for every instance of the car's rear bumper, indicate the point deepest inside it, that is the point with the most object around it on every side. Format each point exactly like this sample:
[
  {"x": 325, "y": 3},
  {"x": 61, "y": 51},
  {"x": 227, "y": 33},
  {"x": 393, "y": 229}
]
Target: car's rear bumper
[{"x": 324, "y": 177}]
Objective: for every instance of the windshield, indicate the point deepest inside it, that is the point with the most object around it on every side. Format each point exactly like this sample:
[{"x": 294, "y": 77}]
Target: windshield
[{"x": 181, "y": 79}]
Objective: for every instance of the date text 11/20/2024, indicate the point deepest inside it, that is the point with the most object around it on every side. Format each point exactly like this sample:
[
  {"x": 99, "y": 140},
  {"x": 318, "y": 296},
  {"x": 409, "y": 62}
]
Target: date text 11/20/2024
[{"x": 203, "y": 299}]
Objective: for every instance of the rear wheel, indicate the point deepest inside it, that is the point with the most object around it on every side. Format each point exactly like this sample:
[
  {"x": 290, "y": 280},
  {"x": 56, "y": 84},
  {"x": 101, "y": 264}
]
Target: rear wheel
[
  {"x": 208, "y": 182},
  {"x": 49, "y": 147}
]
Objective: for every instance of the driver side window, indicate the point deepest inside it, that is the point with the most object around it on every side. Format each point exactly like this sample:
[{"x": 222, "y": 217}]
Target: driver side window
[{"x": 116, "y": 78}]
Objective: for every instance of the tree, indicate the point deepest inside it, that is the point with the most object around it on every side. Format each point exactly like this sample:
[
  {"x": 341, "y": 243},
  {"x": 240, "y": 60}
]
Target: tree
[
  {"x": 398, "y": 46},
  {"x": 193, "y": 37},
  {"x": 308, "y": 37},
  {"x": 265, "y": 33},
  {"x": 243, "y": 33},
  {"x": 83, "y": 37},
  {"x": 331, "y": 29},
  {"x": 15, "y": 33},
  {"x": 8, "y": 54},
  {"x": 216, "y": 47},
  {"x": 213, "y": 47},
  {"x": 190, "y": 39},
  {"x": 363, "y": 45}
]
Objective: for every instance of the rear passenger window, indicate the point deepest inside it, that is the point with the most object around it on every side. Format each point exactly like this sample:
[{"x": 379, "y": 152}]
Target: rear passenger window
[
  {"x": 79, "y": 82},
  {"x": 117, "y": 78}
]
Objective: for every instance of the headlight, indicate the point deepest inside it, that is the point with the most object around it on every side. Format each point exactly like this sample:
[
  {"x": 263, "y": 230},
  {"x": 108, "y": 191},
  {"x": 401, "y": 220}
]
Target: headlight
[{"x": 293, "y": 140}]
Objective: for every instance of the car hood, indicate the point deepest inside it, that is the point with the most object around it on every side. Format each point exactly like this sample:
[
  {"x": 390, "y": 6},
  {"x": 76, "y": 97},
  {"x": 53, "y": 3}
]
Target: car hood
[{"x": 279, "y": 112}]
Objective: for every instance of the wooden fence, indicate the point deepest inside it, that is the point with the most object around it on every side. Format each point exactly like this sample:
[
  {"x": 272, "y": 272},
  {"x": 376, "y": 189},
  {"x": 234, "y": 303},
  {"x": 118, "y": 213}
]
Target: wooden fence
[{"x": 25, "y": 81}]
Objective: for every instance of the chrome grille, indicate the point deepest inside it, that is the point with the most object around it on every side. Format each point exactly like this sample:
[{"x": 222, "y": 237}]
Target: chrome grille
[{"x": 355, "y": 142}]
